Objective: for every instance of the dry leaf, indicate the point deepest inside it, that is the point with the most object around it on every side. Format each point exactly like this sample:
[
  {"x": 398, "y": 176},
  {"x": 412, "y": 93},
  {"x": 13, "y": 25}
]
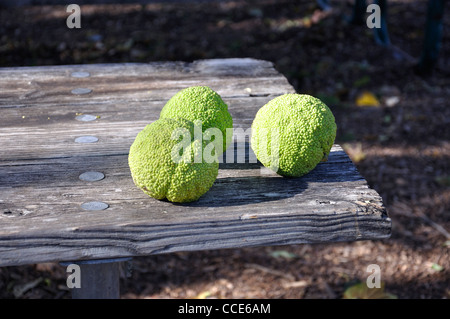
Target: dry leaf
[
  {"x": 361, "y": 291},
  {"x": 355, "y": 152},
  {"x": 282, "y": 254},
  {"x": 203, "y": 295},
  {"x": 367, "y": 99}
]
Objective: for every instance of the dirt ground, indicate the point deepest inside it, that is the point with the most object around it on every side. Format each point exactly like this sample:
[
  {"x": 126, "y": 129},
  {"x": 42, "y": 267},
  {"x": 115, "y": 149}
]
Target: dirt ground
[{"x": 401, "y": 146}]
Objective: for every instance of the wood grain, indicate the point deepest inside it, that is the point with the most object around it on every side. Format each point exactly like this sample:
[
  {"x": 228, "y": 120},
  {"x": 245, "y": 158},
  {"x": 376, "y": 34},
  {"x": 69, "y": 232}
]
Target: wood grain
[{"x": 41, "y": 218}]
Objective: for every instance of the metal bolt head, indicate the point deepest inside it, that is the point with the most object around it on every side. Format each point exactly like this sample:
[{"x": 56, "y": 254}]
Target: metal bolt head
[
  {"x": 80, "y": 74},
  {"x": 86, "y": 117},
  {"x": 92, "y": 176},
  {"x": 81, "y": 91},
  {"x": 86, "y": 139},
  {"x": 94, "y": 206}
]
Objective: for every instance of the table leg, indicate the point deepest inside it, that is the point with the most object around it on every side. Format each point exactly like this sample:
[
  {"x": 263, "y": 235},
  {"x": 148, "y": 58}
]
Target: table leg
[
  {"x": 381, "y": 34},
  {"x": 433, "y": 36},
  {"x": 359, "y": 11},
  {"x": 99, "y": 279}
]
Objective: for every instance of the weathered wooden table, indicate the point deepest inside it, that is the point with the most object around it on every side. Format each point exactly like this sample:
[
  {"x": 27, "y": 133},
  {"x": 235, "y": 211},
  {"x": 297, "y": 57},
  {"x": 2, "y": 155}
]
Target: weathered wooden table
[{"x": 66, "y": 193}]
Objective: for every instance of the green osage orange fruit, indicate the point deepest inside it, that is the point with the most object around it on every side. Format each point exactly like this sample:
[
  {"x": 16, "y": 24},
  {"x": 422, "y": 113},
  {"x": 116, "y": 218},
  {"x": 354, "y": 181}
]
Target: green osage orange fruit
[
  {"x": 204, "y": 104},
  {"x": 167, "y": 161},
  {"x": 292, "y": 133}
]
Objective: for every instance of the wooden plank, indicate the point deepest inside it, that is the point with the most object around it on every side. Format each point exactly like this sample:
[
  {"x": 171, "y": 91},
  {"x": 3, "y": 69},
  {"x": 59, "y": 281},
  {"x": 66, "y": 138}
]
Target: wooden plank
[
  {"x": 247, "y": 206},
  {"x": 38, "y": 109},
  {"x": 41, "y": 194},
  {"x": 54, "y": 129},
  {"x": 26, "y": 86}
]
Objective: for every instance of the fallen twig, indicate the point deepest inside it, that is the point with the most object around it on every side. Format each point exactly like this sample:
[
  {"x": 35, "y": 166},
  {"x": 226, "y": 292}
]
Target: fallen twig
[{"x": 271, "y": 271}]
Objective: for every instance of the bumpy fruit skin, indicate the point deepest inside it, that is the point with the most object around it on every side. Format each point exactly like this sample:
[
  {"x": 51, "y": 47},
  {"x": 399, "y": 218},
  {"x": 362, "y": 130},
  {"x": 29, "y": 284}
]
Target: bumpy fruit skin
[
  {"x": 155, "y": 171},
  {"x": 300, "y": 126},
  {"x": 201, "y": 103}
]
